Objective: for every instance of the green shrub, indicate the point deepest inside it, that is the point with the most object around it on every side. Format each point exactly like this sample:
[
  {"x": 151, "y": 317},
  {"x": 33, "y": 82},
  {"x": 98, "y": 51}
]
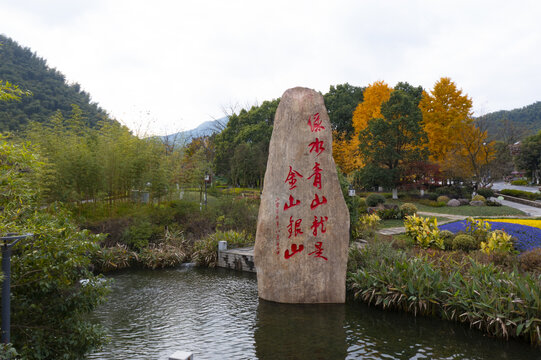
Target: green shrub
[
  {"x": 447, "y": 237},
  {"x": 424, "y": 231},
  {"x": 464, "y": 242},
  {"x": 206, "y": 250},
  {"x": 408, "y": 209},
  {"x": 479, "y": 198},
  {"x": 374, "y": 199},
  {"x": 486, "y": 192},
  {"x": 521, "y": 194},
  {"x": 362, "y": 205},
  {"x": 520, "y": 182},
  {"x": 432, "y": 203},
  {"x": 479, "y": 229},
  {"x": 137, "y": 236},
  {"x": 498, "y": 242},
  {"x": 113, "y": 258},
  {"x": 391, "y": 213},
  {"x": 443, "y": 198}
]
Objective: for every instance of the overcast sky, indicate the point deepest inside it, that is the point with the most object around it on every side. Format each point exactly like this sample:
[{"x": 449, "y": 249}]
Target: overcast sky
[{"x": 175, "y": 64}]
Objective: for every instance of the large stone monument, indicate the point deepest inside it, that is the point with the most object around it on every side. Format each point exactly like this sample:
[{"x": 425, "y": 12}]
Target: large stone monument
[{"x": 302, "y": 236}]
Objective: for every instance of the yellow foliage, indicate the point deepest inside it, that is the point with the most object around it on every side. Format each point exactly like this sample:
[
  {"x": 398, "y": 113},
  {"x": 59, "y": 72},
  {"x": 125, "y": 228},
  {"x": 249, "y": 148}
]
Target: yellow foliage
[
  {"x": 446, "y": 113},
  {"x": 374, "y": 95},
  {"x": 346, "y": 151}
]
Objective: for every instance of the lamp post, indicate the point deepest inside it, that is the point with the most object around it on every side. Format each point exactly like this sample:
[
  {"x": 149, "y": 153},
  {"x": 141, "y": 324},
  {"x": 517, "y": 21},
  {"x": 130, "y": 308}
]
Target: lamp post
[{"x": 8, "y": 242}]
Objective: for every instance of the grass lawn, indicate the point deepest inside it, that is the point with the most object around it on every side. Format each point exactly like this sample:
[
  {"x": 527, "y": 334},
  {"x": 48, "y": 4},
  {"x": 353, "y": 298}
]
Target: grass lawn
[
  {"x": 392, "y": 223},
  {"x": 467, "y": 210}
]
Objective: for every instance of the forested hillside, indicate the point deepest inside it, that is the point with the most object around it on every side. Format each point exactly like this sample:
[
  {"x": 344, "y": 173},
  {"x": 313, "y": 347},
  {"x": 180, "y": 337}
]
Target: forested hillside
[
  {"x": 517, "y": 123},
  {"x": 50, "y": 90}
]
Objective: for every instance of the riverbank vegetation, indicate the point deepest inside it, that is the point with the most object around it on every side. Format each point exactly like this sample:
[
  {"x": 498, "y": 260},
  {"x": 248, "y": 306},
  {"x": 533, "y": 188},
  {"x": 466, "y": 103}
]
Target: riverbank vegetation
[{"x": 470, "y": 271}]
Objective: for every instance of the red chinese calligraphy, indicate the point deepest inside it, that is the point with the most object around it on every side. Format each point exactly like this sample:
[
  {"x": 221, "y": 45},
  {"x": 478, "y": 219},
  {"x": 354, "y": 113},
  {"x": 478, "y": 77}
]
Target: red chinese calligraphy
[
  {"x": 317, "y": 146},
  {"x": 292, "y": 202},
  {"x": 317, "y": 176},
  {"x": 277, "y": 203},
  {"x": 319, "y": 223},
  {"x": 294, "y": 230},
  {"x": 291, "y": 178},
  {"x": 294, "y": 249},
  {"x": 318, "y": 251},
  {"x": 315, "y": 123},
  {"x": 316, "y": 202}
]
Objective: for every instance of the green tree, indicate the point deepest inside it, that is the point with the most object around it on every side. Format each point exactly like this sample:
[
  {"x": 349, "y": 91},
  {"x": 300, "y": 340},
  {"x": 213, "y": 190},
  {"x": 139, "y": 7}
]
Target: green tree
[
  {"x": 247, "y": 131},
  {"x": 397, "y": 139},
  {"x": 52, "y": 289},
  {"x": 529, "y": 157},
  {"x": 341, "y": 101}
]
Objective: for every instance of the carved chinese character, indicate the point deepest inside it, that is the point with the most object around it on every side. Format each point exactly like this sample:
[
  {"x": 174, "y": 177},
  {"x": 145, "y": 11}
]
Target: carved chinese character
[
  {"x": 316, "y": 202},
  {"x": 317, "y": 146},
  {"x": 318, "y": 251},
  {"x": 291, "y": 178},
  {"x": 315, "y": 123},
  {"x": 294, "y": 249},
  {"x": 319, "y": 223},
  {"x": 317, "y": 176},
  {"x": 294, "y": 230},
  {"x": 292, "y": 202}
]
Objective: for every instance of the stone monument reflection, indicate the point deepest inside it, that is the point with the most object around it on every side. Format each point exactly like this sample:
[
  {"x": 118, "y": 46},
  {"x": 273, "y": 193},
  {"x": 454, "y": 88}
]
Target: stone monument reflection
[{"x": 296, "y": 331}]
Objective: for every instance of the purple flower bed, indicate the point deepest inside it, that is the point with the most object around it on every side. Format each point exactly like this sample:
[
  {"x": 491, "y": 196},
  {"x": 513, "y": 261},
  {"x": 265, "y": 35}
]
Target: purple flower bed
[{"x": 528, "y": 237}]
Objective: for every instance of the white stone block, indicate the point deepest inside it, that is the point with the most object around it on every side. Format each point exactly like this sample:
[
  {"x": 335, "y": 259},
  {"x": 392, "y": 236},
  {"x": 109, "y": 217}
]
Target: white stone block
[
  {"x": 181, "y": 355},
  {"x": 222, "y": 245}
]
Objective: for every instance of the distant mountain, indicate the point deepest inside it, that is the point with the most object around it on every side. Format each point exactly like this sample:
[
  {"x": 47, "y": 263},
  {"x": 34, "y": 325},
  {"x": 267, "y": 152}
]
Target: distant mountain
[
  {"x": 205, "y": 129},
  {"x": 517, "y": 123},
  {"x": 51, "y": 92}
]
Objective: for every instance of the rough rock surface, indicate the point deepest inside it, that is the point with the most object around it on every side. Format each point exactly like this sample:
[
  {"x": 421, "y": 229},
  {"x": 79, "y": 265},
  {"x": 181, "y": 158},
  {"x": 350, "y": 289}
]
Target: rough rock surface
[
  {"x": 303, "y": 226},
  {"x": 453, "y": 203}
]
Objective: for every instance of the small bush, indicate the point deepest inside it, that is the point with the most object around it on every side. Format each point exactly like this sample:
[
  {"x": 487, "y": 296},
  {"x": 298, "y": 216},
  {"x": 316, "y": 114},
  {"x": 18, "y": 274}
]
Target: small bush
[
  {"x": 498, "y": 242},
  {"x": 374, "y": 199},
  {"x": 113, "y": 258},
  {"x": 519, "y": 182},
  {"x": 464, "y": 242},
  {"x": 137, "y": 236},
  {"x": 479, "y": 229},
  {"x": 424, "y": 231},
  {"x": 479, "y": 198},
  {"x": 390, "y": 213},
  {"x": 408, "y": 209},
  {"x": 486, "y": 192},
  {"x": 206, "y": 250},
  {"x": 447, "y": 237},
  {"x": 530, "y": 261},
  {"x": 362, "y": 205},
  {"x": 443, "y": 198},
  {"x": 432, "y": 203}
]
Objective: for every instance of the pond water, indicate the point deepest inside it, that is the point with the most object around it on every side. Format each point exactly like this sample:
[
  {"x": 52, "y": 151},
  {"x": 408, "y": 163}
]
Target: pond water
[{"x": 216, "y": 314}]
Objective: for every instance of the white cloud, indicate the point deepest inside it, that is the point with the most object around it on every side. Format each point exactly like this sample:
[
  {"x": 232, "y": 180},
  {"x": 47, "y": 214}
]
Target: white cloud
[{"x": 179, "y": 63}]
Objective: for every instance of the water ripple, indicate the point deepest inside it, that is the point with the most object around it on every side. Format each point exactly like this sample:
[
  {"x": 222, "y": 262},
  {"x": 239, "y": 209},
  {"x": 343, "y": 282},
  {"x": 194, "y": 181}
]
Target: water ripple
[{"x": 216, "y": 314}]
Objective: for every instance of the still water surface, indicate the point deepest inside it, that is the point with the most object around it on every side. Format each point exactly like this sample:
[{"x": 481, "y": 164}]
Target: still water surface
[{"x": 216, "y": 314}]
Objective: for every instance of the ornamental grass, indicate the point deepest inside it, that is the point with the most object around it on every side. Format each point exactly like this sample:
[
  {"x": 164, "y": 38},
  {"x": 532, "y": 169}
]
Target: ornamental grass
[{"x": 503, "y": 304}]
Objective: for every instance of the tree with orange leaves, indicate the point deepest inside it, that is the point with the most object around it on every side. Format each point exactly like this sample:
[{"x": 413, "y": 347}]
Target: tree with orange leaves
[
  {"x": 346, "y": 150},
  {"x": 454, "y": 141}
]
